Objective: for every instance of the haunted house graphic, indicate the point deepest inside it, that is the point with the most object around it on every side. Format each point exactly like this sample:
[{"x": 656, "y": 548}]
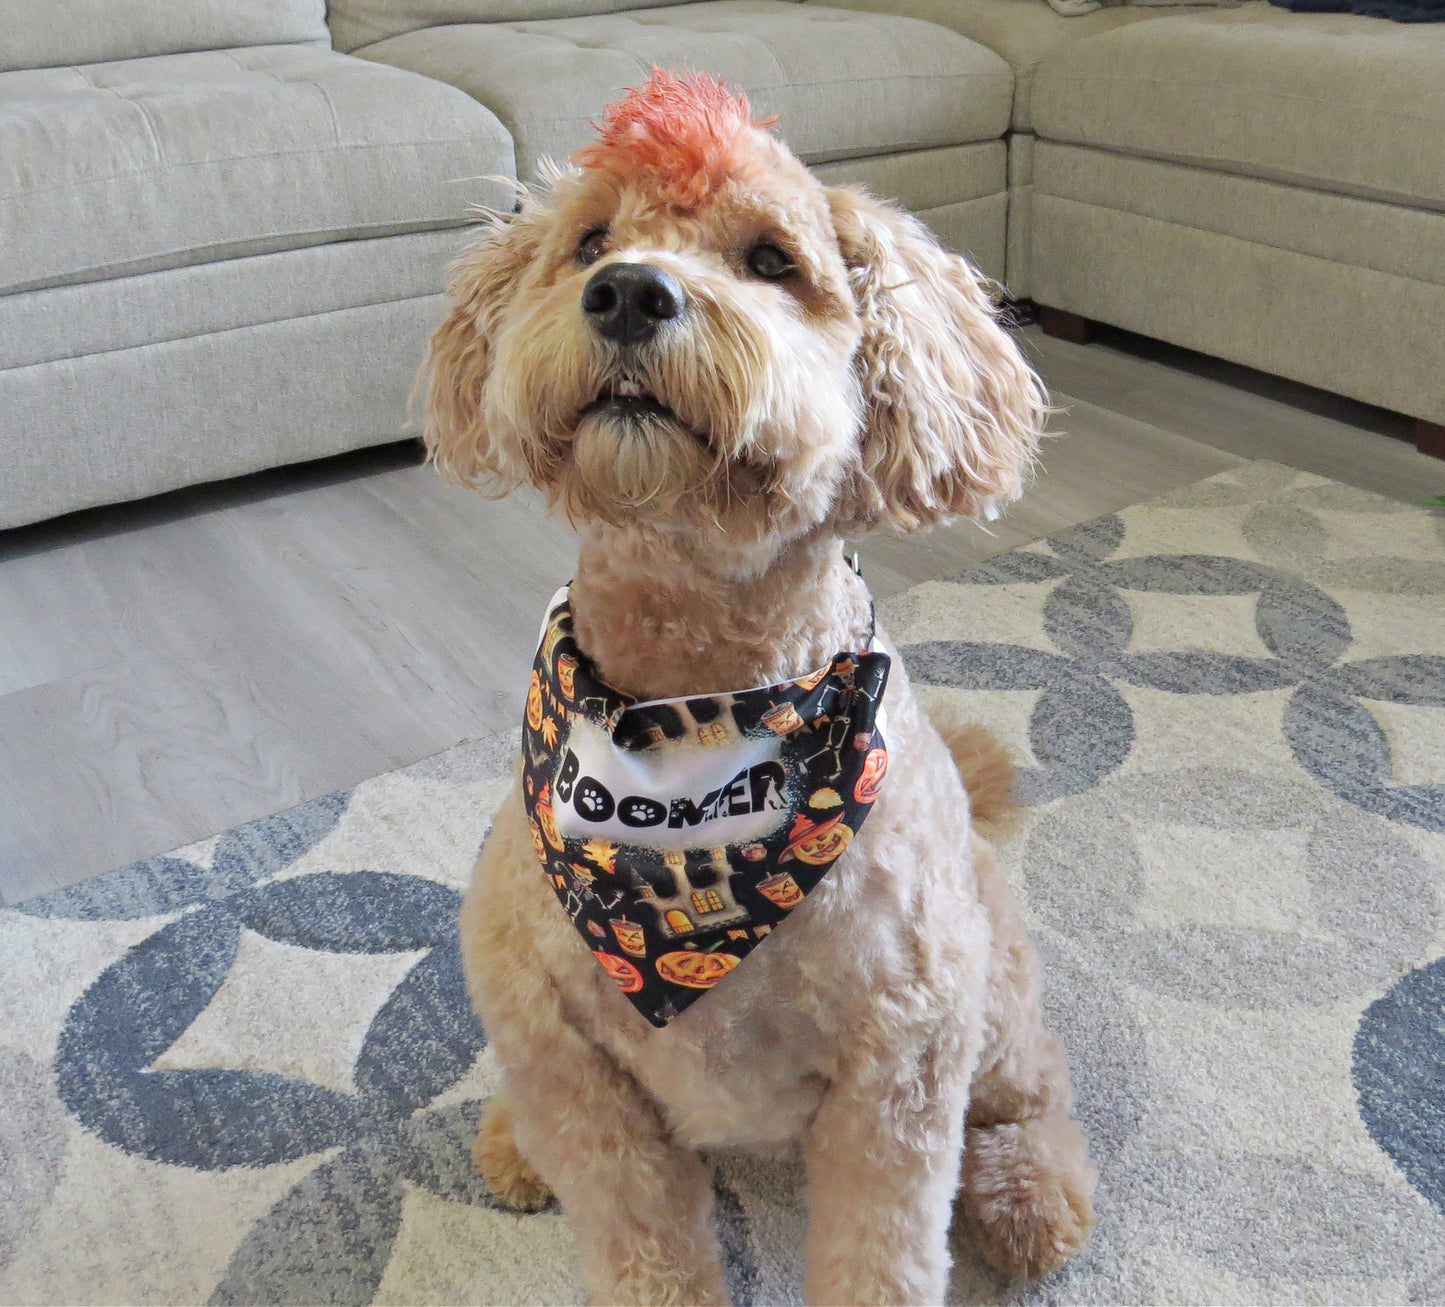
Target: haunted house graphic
[{"x": 691, "y": 892}]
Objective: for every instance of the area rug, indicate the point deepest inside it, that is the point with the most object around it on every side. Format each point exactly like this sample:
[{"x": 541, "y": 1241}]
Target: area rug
[{"x": 246, "y": 1072}]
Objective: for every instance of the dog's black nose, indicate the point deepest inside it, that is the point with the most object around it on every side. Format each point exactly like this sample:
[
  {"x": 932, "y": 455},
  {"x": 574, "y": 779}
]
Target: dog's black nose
[{"x": 627, "y": 301}]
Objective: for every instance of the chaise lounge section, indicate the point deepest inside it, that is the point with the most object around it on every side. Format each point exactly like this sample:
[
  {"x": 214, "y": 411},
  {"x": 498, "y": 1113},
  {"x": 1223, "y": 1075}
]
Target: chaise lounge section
[{"x": 1260, "y": 185}]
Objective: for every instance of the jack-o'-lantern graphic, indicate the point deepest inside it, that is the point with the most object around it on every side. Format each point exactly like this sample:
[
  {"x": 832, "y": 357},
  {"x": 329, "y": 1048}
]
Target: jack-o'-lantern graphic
[
  {"x": 546, "y": 820},
  {"x": 630, "y": 936},
  {"x": 537, "y": 840},
  {"x": 781, "y": 889},
  {"x": 567, "y": 675},
  {"x": 870, "y": 781},
  {"x": 534, "y": 703},
  {"x": 695, "y": 970},
  {"x": 627, "y": 977},
  {"x": 553, "y": 637},
  {"x": 783, "y": 719},
  {"x": 817, "y": 842}
]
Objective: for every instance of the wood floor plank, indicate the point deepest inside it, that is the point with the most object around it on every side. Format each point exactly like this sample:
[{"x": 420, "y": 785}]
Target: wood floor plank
[
  {"x": 294, "y": 647},
  {"x": 1319, "y": 433},
  {"x": 112, "y": 765},
  {"x": 52, "y": 622}
]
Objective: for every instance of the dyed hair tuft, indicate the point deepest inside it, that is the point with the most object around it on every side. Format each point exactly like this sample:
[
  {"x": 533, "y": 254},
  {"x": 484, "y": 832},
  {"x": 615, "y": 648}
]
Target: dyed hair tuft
[{"x": 683, "y": 133}]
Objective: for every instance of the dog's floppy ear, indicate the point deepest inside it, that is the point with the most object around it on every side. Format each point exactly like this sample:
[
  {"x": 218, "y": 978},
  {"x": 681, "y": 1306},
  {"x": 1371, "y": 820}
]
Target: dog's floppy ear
[
  {"x": 952, "y": 412},
  {"x": 459, "y": 356}
]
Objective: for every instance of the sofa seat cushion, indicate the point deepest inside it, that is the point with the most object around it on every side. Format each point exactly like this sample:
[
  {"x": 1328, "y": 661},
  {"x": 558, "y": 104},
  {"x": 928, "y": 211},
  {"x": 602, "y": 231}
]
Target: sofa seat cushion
[
  {"x": 1334, "y": 101},
  {"x": 845, "y": 85},
  {"x": 1022, "y": 31},
  {"x": 118, "y": 168},
  {"x": 355, "y": 23}
]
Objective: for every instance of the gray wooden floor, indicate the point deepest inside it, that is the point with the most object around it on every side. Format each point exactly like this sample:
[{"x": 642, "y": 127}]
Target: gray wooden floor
[{"x": 171, "y": 668}]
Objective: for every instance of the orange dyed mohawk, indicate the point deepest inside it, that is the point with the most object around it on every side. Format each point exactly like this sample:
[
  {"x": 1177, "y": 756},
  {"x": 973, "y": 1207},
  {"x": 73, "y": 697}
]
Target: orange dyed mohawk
[{"x": 683, "y": 133}]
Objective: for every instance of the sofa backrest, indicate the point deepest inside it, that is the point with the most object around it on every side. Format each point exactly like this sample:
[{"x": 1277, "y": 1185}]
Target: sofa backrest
[
  {"x": 58, "y": 33},
  {"x": 355, "y": 23}
]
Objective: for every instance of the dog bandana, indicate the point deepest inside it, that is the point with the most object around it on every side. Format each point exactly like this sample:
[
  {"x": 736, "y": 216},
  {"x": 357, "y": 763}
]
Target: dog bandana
[{"x": 678, "y": 833}]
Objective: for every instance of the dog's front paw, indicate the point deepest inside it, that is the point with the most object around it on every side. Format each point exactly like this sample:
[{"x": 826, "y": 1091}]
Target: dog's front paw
[
  {"x": 1028, "y": 1194},
  {"x": 510, "y": 1178}
]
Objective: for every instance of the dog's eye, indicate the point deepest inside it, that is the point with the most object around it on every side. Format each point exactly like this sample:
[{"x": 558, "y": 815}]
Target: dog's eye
[
  {"x": 592, "y": 246},
  {"x": 769, "y": 261}
]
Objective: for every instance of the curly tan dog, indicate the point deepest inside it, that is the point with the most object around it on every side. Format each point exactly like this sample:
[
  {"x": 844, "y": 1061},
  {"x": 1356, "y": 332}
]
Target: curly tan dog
[{"x": 718, "y": 368}]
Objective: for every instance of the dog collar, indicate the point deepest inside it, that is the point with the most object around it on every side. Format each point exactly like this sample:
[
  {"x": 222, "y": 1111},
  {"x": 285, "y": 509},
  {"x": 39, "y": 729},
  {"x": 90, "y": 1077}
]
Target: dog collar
[{"x": 677, "y": 834}]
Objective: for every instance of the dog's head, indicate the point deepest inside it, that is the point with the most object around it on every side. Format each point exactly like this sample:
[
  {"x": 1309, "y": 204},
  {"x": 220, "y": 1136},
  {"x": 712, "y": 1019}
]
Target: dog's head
[{"x": 687, "y": 331}]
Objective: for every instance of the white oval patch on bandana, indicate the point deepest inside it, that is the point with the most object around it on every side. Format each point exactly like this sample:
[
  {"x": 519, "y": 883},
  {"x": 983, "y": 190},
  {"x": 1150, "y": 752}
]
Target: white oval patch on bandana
[{"x": 678, "y": 833}]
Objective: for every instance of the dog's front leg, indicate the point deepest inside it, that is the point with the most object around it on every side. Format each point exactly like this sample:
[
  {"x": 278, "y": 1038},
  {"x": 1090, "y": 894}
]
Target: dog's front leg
[
  {"x": 883, "y": 1160},
  {"x": 639, "y": 1205}
]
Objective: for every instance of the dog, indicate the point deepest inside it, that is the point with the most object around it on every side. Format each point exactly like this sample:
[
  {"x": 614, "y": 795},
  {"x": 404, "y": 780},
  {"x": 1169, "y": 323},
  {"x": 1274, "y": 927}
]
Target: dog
[{"x": 718, "y": 368}]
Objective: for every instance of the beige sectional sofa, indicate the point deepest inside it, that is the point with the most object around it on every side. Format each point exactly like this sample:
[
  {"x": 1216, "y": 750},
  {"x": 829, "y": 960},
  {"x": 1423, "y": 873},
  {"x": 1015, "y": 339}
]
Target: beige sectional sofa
[
  {"x": 1256, "y": 184},
  {"x": 1261, "y": 185},
  {"x": 219, "y": 242},
  {"x": 223, "y": 227}
]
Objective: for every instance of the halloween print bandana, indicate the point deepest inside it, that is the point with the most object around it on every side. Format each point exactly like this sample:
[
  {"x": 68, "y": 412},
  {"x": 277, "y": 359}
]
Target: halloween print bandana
[{"x": 678, "y": 833}]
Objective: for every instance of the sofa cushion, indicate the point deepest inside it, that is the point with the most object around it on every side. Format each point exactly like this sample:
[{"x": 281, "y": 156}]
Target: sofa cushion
[
  {"x": 126, "y": 167},
  {"x": 1022, "y": 31},
  {"x": 1334, "y": 101},
  {"x": 356, "y": 23},
  {"x": 45, "y": 34},
  {"x": 844, "y": 84}
]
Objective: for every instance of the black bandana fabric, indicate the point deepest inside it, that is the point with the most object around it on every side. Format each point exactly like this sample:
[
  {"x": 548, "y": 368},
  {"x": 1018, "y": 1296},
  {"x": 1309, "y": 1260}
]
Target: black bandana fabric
[{"x": 677, "y": 834}]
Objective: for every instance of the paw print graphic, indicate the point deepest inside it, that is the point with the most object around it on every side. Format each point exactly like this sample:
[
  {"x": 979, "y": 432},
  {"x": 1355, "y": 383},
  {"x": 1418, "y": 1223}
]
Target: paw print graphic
[
  {"x": 638, "y": 811},
  {"x": 592, "y": 800}
]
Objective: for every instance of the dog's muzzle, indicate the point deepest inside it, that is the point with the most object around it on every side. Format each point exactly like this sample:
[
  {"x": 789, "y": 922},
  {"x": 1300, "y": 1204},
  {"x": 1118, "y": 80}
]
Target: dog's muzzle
[{"x": 627, "y": 302}]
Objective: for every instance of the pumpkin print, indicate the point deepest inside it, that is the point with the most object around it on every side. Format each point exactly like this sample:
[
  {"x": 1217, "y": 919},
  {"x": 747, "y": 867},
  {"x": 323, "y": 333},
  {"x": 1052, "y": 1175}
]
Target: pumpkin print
[
  {"x": 781, "y": 889},
  {"x": 870, "y": 781},
  {"x": 534, "y": 703},
  {"x": 783, "y": 719},
  {"x": 627, "y": 977},
  {"x": 537, "y": 840},
  {"x": 818, "y": 842},
  {"x": 567, "y": 676},
  {"x": 546, "y": 820},
  {"x": 695, "y": 970}
]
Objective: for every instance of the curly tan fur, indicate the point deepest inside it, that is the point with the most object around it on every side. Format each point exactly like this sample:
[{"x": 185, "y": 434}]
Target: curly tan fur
[
  {"x": 986, "y": 769},
  {"x": 894, "y": 1017},
  {"x": 509, "y": 1176}
]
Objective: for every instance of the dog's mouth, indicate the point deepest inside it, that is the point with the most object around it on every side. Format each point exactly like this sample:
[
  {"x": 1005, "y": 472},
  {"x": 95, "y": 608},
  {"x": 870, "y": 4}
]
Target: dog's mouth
[{"x": 630, "y": 399}]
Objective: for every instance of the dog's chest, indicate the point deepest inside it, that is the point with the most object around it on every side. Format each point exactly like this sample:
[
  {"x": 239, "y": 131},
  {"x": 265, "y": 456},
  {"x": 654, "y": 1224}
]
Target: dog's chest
[
  {"x": 748, "y": 1066},
  {"x": 741, "y": 1070}
]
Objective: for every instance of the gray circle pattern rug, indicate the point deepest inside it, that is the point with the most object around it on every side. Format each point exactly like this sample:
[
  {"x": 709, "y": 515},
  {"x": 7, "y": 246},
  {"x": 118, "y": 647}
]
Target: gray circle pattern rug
[{"x": 246, "y": 1072}]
